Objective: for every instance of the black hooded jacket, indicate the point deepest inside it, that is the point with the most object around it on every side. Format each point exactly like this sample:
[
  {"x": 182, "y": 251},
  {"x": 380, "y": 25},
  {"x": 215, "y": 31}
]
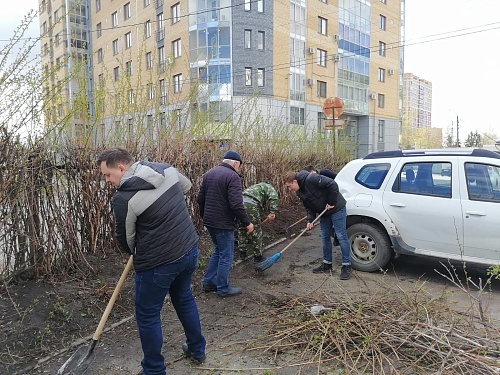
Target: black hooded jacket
[
  {"x": 316, "y": 191},
  {"x": 151, "y": 217}
]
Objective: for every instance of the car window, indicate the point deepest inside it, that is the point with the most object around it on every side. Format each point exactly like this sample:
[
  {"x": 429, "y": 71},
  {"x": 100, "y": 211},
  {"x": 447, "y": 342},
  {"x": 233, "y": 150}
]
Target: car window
[
  {"x": 372, "y": 175},
  {"x": 483, "y": 182},
  {"x": 430, "y": 178}
]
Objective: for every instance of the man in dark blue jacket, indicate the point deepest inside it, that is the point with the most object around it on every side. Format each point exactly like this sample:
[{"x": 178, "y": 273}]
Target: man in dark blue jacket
[
  {"x": 221, "y": 202},
  {"x": 153, "y": 223},
  {"x": 318, "y": 192}
]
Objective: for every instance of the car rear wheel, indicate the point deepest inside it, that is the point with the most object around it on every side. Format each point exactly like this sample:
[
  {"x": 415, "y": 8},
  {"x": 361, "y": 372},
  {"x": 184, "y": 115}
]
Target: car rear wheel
[{"x": 370, "y": 247}]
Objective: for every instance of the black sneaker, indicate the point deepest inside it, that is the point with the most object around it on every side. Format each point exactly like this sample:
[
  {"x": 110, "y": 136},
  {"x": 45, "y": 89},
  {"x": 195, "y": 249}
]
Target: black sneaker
[
  {"x": 258, "y": 258},
  {"x": 345, "y": 272},
  {"x": 188, "y": 354},
  {"x": 324, "y": 268}
]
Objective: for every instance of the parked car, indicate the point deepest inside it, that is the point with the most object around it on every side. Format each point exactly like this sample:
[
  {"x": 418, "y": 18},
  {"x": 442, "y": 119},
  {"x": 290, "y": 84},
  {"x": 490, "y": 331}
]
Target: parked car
[{"x": 401, "y": 202}]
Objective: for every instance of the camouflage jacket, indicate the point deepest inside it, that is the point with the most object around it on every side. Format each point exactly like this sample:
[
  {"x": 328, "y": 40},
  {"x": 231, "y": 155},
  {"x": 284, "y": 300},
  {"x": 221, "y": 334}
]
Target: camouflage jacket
[{"x": 263, "y": 194}]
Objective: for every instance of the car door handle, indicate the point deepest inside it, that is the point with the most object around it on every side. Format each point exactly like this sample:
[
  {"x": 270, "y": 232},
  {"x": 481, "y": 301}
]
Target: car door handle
[
  {"x": 397, "y": 204},
  {"x": 475, "y": 213}
]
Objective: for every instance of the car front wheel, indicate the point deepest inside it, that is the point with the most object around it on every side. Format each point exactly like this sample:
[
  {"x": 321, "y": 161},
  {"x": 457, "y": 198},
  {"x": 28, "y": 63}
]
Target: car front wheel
[{"x": 370, "y": 247}]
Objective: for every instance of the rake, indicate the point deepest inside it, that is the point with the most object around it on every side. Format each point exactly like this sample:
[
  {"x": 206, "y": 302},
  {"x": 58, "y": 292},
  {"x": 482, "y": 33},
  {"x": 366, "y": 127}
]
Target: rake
[{"x": 268, "y": 263}]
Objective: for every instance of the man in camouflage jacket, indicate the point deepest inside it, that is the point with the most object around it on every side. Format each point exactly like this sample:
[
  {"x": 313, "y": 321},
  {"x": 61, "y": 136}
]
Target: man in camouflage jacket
[{"x": 256, "y": 199}]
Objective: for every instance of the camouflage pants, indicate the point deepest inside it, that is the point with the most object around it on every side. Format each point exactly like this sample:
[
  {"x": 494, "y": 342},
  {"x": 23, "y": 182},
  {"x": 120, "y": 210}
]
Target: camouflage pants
[{"x": 251, "y": 243}]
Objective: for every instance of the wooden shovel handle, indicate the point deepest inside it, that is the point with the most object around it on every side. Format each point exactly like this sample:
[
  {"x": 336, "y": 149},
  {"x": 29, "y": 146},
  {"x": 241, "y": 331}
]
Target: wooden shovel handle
[
  {"x": 112, "y": 300},
  {"x": 266, "y": 220},
  {"x": 305, "y": 230}
]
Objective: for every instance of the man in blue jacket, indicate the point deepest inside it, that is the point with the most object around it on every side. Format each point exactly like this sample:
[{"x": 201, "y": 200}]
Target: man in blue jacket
[
  {"x": 221, "y": 202},
  {"x": 318, "y": 192},
  {"x": 153, "y": 223}
]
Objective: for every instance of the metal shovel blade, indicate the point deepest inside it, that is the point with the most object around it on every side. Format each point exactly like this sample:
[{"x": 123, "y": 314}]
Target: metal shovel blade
[{"x": 78, "y": 363}]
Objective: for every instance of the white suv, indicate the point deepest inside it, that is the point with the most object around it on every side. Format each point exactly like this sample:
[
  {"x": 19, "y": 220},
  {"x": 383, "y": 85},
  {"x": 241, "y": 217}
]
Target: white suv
[{"x": 443, "y": 203}]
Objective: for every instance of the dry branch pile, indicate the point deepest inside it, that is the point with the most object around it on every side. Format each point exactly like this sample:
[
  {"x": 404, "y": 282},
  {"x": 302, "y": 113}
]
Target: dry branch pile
[{"x": 393, "y": 333}]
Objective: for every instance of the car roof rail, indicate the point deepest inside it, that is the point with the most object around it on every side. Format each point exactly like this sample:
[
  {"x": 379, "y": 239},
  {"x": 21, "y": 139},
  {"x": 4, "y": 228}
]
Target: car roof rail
[{"x": 478, "y": 152}]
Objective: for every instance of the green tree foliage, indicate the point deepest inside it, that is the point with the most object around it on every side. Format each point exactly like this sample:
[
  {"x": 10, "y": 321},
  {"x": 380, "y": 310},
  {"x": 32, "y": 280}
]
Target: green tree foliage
[{"x": 474, "y": 140}]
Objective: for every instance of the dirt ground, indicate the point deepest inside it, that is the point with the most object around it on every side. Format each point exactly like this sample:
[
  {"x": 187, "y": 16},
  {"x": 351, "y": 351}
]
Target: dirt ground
[{"x": 43, "y": 324}]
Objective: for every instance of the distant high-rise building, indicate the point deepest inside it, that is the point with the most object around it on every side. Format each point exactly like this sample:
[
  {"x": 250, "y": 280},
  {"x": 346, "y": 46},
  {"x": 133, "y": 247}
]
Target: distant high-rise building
[
  {"x": 152, "y": 62},
  {"x": 417, "y": 101}
]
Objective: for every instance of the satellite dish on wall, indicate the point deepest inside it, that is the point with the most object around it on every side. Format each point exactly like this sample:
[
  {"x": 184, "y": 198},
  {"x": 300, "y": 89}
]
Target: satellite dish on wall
[{"x": 333, "y": 107}]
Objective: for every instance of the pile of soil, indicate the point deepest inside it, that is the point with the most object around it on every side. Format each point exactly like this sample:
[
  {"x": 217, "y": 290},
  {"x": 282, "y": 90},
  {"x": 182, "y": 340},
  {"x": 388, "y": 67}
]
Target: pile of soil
[{"x": 42, "y": 322}]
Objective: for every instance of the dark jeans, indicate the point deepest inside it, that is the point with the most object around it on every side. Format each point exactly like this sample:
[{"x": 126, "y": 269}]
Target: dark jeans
[
  {"x": 151, "y": 288},
  {"x": 221, "y": 259}
]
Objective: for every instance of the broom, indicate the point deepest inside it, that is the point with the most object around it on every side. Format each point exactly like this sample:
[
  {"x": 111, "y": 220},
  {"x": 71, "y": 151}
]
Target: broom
[{"x": 268, "y": 263}]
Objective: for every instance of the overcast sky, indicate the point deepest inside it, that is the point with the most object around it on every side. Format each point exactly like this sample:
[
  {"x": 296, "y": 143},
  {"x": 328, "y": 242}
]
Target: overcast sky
[{"x": 452, "y": 43}]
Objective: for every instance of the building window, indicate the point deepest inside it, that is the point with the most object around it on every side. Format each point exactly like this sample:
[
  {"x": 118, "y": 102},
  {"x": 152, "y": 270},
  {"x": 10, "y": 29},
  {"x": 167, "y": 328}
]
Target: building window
[
  {"x": 160, "y": 21},
  {"x": 381, "y": 75},
  {"x": 260, "y": 40},
  {"x": 260, "y": 6},
  {"x": 175, "y": 12},
  {"x": 381, "y": 48},
  {"x": 322, "y": 26},
  {"x": 148, "y": 29},
  {"x": 114, "y": 19},
  {"x": 248, "y": 76},
  {"x": 321, "y": 89},
  {"x": 163, "y": 92},
  {"x": 381, "y": 129},
  {"x": 131, "y": 98},
  {"x": 147, "y": 3},
  {"x": 151, "y": 91},
  {"x": 116, "y": 73},
  {"x": 99, "y": 55},
  {"x": 381, "y": 100},
  {"x": 100, "y": 79},
  {"x": 382, "y": 22},
  {"x": 248, "y": 39},
  {"x": 98, "y": 29},
  {"x": 149, "y": 60},
  {"x": 126, "y": 11},
  {"x": 296, "y": 115},
  {"x": 161, "y": 59},
  {"x": 324, "y": 1},
  {"x": 176, "y": 48},
  {"x": 115, "y": 47},
  {"x": 177, "y": 83},
  {"x": 128, "y": 40},
  {"x": 97, "y": 5},
  {"x": 383, "y": 1},
  {"x": 247, "y": 5},
  {"x": 128, "y": 68},
  {"x": 321, "y": 57},
  {"x": 260, "y": 77}
]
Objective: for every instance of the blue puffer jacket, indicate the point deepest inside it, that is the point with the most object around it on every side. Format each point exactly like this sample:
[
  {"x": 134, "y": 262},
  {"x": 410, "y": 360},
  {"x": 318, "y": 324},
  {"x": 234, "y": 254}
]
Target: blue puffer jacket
[
  {"x": 151, "y": 216},
  {"x": 221, "y": 198},
  {"x": 316, "y": 191}
]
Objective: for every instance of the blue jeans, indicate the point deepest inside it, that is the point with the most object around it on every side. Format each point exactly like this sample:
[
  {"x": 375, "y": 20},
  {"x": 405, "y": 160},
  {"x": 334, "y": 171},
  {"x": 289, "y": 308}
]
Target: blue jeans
[
  {"x": 221, "y": 260},
  {"x": 151, "y": 288},
  {"x": 338, "y": 222}
]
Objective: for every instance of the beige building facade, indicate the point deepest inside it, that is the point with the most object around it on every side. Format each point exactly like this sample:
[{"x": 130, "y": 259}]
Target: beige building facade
[{"x": 149, "y": 64}]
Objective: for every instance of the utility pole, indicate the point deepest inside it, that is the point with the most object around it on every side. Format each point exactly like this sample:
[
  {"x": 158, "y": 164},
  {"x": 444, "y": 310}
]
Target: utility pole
[{"x": 458, "y": 139}]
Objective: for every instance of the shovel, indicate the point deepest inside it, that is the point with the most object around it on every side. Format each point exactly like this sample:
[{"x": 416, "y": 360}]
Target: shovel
[{"x": 83, "y": 357}]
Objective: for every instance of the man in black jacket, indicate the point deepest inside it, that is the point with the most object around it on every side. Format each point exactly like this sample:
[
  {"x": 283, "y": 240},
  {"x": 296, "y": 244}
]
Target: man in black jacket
[
  {"x": 153, "y": 223},
  {"x": 221, "y": 202},
  {"x": 318, "y": 192}
]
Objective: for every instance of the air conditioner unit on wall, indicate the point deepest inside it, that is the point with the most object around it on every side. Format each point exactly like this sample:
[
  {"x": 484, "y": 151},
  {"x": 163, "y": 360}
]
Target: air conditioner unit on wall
[
  {"x": 336, "y": 37},
  {"x": 390, "y": 71},
  {"x": 310, "y": 82},
  {"x": 310, "y": 50},
  {"x": 373, "y": 96},
  {"x": 336, "y": 58}
]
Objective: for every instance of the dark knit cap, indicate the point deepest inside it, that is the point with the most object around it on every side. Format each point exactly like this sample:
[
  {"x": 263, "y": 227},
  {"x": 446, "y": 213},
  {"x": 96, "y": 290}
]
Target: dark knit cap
[{"x": 233, "y": 155}]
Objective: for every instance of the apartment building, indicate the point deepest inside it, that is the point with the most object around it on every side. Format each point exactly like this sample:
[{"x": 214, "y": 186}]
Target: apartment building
[
  {"x": 150, "y": 63},
  {"x": 417, "y": 101}
]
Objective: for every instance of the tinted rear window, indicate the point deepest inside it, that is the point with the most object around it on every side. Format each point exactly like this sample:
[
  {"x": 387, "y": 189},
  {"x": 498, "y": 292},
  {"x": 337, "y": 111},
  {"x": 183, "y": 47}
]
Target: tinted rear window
[{"x": 372, "y": 175}]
